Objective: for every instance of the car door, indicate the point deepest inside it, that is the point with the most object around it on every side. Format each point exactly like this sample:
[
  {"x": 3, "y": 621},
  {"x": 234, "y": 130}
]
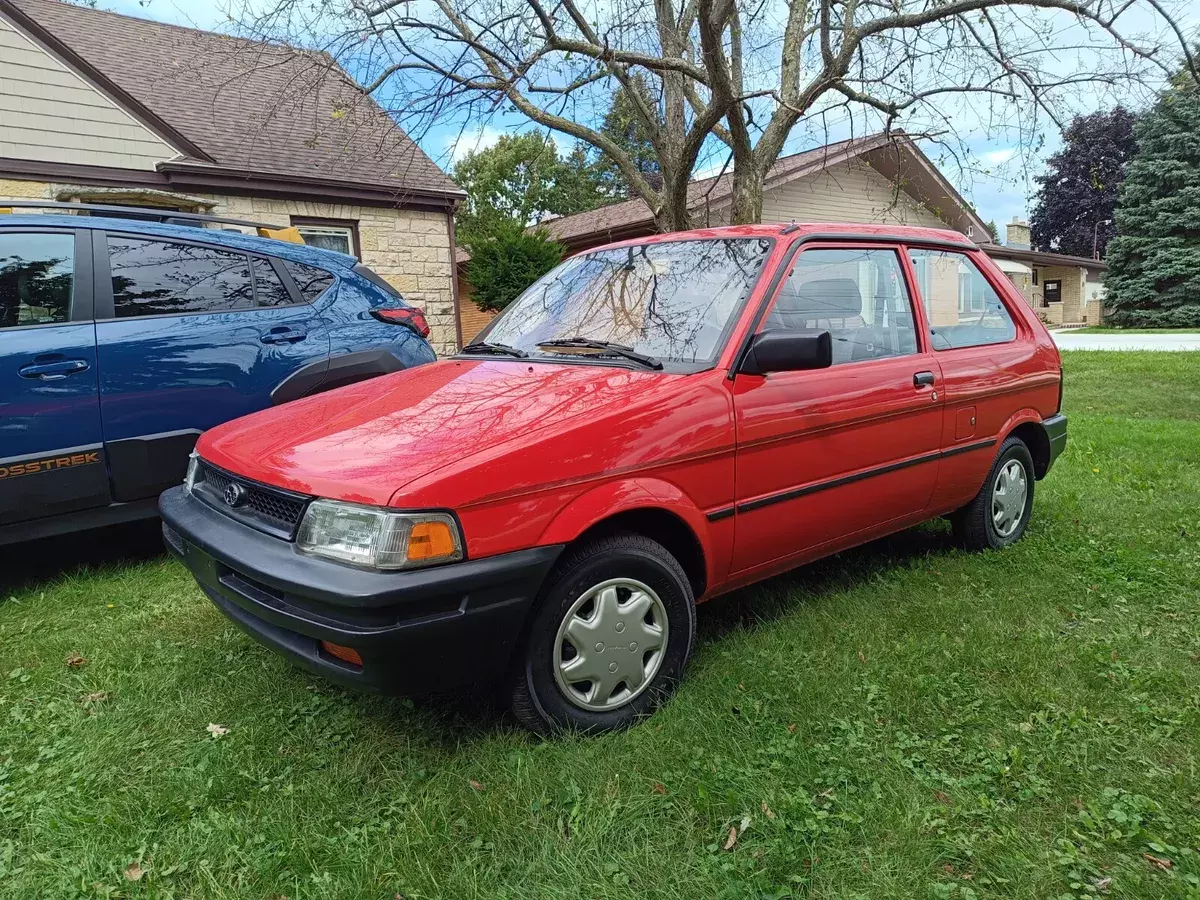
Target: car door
[
  {"x": 826, "y": 454},
  {"x": 984, "y": 366},
  {"x": 188, "y": 335},
  {"x": 51, "y": 452}
]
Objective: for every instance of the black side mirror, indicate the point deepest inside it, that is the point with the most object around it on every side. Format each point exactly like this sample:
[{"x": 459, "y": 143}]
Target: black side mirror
[{"x": 788, "y": 351}]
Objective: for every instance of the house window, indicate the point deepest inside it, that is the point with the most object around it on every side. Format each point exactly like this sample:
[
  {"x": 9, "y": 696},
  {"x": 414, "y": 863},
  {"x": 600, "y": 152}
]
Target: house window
[
  {"x": 339, "y": 236},
  {"x": 1052, "y": 292},
  {"x": 1035, "y": 277}
]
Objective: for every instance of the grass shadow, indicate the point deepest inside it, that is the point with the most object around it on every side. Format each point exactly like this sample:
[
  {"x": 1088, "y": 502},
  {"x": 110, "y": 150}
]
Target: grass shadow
[
  {"x": 25, "y": 565},
  {"x": 775, "y": 597}
]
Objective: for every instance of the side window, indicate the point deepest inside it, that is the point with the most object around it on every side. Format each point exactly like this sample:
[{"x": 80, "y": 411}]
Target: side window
[
  {"x": 37, "y": 275},
  {"x": 311, "y": 281},
  {"x": 858, "y": 296},
  {"x": 963, "y": 309},
  {"x": 156, "y": 278},
  {"x": 268, "y": 289}
]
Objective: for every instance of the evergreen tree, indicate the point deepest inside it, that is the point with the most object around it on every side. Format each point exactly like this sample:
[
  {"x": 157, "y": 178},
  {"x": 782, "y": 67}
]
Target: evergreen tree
[
  {"x": 994, "y": 231},
  {"x": 1154, "y": 261},
  {"x": 627, "y": 129},
  {"x": 1073, "y": 210},
  {"x": 506, "y": 261}
]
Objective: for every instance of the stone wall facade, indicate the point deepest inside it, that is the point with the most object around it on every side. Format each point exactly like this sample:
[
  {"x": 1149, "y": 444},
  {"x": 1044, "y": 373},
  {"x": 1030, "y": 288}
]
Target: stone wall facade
[{"x": 410, "y": 249}]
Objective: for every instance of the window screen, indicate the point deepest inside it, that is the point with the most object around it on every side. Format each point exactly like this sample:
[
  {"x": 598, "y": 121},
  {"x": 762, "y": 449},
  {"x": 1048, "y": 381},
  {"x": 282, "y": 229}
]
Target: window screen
[
  {"x": 963, "y": 308},
  {"x": 311, "y": 281},
  {"x": 268, "y": 289},
  {"x": 155, "y": 278},
  {"x": 36, "y": 278},
  {"x": 858, "y": 296}
]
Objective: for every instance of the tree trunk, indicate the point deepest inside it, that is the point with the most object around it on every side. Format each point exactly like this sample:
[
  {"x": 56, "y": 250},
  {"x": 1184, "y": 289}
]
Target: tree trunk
[{"x": 747, "y": 196}]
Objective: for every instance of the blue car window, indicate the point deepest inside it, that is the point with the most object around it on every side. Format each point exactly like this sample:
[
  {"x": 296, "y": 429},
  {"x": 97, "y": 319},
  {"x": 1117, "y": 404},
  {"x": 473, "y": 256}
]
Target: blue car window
[
  {"x": 36, "y": 278},
  {"x": 268, "y": 289},
  {"x": 154, "y": 278},
  {"x": 311, "y": 281}
]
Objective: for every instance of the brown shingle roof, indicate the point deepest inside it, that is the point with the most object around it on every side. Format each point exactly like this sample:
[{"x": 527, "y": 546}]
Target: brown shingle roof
[
  {"x": 245, "y": 105},
  {"x": 714, "y": 191}
]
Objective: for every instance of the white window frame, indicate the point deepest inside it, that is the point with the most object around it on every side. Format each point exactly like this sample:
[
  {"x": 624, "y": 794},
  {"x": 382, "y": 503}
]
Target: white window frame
[{"x": 340, "y": 230}]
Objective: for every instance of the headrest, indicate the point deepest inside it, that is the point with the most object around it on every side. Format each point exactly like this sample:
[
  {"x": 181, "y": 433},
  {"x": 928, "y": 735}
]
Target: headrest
[{"x": 827, "y": 298}]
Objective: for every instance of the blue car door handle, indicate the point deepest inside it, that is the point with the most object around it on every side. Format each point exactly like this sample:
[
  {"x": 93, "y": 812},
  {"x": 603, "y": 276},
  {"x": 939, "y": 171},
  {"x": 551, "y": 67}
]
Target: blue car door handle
[
  {"x": 52, "y": 371},
  {"x": 283, "y": 335}
]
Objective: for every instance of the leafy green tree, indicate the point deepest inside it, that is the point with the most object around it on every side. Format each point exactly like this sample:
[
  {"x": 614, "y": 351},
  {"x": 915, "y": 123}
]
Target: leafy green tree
[
  {"x": 506, "y": 261},
  {"x": 994, "y": 231},
  {"x": 626, "y": 126},
  {"x": 1073, "y": 210},
  {"x": 520, "y": 179},
  {"x": 1154, "y": 261}
]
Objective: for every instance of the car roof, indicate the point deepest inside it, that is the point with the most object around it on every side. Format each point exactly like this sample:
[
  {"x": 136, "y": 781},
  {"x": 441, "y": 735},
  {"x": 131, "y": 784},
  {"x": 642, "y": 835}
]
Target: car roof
[
  {"x": 301, "y": 253},
  {"x": 801, "y": 229}
]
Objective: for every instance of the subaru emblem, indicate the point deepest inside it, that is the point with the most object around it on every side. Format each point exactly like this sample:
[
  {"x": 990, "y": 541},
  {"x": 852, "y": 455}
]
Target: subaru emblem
[{"x": 235, "y": 494}]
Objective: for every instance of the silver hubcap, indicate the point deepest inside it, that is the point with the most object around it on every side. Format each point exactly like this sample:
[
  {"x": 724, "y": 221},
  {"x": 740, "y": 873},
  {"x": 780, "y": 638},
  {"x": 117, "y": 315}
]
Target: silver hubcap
[
  {"x": 1008, "y": 497},
  {"x": 610, "y": 644}
]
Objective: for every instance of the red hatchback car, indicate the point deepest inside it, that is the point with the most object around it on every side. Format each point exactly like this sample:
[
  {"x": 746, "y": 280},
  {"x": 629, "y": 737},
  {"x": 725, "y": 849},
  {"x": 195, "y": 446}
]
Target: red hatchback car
[{"x": 651, "y": 424}]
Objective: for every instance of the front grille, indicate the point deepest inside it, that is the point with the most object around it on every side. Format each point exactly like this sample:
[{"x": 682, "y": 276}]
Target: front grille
[{"x": 269, "y": 509}]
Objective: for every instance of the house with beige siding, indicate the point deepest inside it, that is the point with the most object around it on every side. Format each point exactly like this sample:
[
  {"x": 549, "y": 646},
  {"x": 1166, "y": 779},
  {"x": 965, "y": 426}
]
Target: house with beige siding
[
  {"x": 878, "y": 179},
  {"x": 105, "y": 108}
]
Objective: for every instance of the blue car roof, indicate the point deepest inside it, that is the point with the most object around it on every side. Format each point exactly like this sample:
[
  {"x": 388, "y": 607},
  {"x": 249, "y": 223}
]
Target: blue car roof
[{"x": 313, "y": 256}]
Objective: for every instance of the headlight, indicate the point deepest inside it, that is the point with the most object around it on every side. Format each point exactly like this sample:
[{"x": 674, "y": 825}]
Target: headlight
[
  {"x": 189, "y": 481},
  {"x": 375, "y": 538}
]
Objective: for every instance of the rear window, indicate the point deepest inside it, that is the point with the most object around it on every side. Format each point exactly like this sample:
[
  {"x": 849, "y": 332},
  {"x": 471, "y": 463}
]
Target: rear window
[
  {"x": 154, "y": 278},
  {"x": 311, "y": 281}
]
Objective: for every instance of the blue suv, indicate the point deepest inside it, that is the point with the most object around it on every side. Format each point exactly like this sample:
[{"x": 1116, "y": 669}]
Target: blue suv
[{"x": 121, "y": 340}]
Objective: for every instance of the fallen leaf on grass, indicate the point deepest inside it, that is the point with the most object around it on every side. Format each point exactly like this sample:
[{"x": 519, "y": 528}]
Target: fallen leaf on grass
[
  {"x": 1157, "y": 861},
  {"x": 861, "y": 657},
  {"x": 659, "y": 787},
  {"x": 732, "y": 839},
  {"x": 943, "y": 797},
  {"x": 475, "y": 784},
  {"x": 792, "y": 728},
  {"x": 216, "y": 730},
  {"x": 767, "y": 811},
  {"x": 134, "y": 872},
  {"x": 95, "y": 697},
  {"x": 1103, "y": 884},
  {"x": 75, "y": 660}
]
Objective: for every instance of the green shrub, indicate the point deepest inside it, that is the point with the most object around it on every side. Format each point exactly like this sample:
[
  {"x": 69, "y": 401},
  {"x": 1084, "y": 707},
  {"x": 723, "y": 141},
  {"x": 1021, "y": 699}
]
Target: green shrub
[{"x": 507, "y": 261}]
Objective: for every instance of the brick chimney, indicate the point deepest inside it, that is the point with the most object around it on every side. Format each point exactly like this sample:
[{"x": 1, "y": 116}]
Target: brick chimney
[{"x": 1017, "y": 234}]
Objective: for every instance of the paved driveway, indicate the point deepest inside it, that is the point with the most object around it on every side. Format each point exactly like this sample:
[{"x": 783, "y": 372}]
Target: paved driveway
[{"x": 1184, "y": 340}]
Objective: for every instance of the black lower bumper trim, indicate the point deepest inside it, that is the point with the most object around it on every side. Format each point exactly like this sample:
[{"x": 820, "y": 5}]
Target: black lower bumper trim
[
  {"x": 417, "y": 632},
  {"x": 1056, "y": 431}
]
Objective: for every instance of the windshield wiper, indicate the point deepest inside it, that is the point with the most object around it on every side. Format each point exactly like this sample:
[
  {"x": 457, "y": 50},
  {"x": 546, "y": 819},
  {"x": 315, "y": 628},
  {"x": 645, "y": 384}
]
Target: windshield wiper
[
  {"x": 485, "y": 347},
  {"x": 608, "y": 347}
]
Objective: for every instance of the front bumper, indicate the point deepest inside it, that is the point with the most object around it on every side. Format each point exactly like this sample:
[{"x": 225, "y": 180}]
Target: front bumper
[
  {"x": 417, "y": 631},
  {"x": 1056, "y": 431}
]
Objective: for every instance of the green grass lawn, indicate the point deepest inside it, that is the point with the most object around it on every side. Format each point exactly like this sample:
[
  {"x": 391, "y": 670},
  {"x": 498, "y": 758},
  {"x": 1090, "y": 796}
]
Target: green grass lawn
[
  {"x": 904, "y": 720},
  {"x": 1106, "y": 329}
]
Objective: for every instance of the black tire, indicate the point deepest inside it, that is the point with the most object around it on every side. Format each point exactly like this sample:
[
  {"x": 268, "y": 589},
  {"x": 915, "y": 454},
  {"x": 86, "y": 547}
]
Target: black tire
[
  {"x": 974, "y": 526},
  {"x": 537, "y": 700}
]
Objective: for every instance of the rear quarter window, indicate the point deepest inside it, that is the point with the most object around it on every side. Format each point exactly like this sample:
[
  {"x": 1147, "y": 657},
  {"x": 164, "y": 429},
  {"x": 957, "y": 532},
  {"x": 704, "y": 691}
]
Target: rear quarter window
[{"x": 311, "y": 281}]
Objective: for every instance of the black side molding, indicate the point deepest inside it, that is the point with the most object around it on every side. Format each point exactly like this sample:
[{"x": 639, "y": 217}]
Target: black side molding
[{"x": 338, "y": 371}]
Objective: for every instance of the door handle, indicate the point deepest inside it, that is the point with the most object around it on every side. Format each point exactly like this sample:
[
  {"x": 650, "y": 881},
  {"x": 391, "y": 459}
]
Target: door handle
[
  {"x": 923, "y": 379},
  {"x": 52, "y": 371},
  {"x": 283, "y": 336}
]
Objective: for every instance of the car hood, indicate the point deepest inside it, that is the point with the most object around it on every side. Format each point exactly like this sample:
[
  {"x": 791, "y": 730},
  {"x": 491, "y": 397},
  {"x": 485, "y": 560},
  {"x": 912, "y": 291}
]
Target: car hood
[{"x": 364, "y": 442}]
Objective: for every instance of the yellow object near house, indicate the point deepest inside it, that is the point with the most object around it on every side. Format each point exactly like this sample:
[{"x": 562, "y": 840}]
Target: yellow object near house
[{"x": 290, "y": 234}]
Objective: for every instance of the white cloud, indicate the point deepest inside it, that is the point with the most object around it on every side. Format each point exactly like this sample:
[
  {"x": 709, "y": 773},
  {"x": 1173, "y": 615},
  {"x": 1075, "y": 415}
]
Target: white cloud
[{"x": 998, "y": 157}]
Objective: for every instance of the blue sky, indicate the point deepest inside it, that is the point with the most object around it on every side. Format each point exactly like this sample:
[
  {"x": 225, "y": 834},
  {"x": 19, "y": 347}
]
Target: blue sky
[{"x": 997, "y": 177}]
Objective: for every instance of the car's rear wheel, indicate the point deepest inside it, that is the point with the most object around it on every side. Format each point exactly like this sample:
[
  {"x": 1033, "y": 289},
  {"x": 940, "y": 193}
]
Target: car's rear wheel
[
  {"x": 609, "y": 639},
  {"x": 999, "y": 514}
]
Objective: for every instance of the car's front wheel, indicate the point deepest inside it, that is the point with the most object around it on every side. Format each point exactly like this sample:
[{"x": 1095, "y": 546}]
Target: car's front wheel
[
  {"x": 999, "y": 514},
  {"x": 609, "y": 640}
]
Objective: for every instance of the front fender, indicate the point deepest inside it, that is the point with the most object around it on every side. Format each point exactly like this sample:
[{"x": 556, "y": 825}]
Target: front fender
[{"x": 628, "y": 495}]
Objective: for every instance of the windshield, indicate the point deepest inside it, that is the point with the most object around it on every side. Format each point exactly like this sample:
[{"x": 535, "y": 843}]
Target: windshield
[{"x": 674, "y": 301}]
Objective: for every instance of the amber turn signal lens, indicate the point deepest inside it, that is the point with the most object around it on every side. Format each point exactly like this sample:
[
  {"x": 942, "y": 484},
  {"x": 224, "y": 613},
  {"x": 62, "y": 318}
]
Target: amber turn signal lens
[
  {"x": 430, "y": 540},
  {"x": 345, "y": 654}
]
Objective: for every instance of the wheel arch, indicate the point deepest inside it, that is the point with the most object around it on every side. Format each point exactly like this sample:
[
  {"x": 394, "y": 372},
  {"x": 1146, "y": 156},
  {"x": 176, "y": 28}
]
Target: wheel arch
[
  {"x": 1027, "y": 425},
  {"x": 334, "y": 372},
  {"x": 657, "y": 509}
]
